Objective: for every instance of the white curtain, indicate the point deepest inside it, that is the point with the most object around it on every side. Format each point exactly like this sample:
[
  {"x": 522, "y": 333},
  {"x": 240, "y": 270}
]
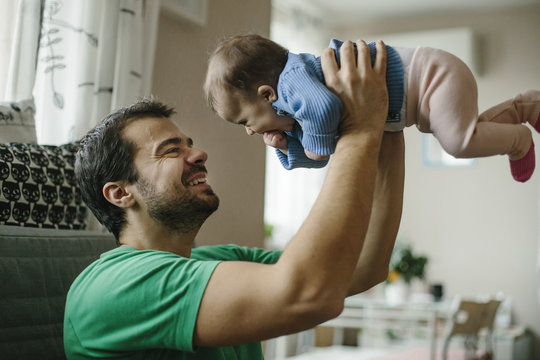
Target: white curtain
[
  {"x": 94, "y": 56},
  {"x": 20, "y": 35}
]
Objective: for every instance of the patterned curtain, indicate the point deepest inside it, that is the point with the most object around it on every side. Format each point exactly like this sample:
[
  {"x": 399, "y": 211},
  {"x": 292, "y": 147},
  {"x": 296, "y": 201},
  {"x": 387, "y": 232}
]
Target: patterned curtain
[
  {"x": 20, "y": 22},
  {"x": 94, "y": 56}
]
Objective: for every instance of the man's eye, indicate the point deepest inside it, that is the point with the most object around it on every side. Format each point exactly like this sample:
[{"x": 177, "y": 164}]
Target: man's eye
[{"x": 172, "y": 150}]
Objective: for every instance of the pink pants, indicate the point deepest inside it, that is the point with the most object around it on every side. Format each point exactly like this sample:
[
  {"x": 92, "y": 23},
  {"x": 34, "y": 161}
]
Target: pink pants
[{"x": 443, "y": 100}]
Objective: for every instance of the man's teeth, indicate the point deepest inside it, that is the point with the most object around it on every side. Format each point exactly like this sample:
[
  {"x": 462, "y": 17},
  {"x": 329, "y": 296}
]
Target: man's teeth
[{"x": 197, "y": 181}]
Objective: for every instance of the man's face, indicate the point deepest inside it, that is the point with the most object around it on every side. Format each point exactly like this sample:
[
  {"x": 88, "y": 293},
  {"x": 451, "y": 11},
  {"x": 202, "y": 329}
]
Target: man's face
[{"x": 172, "y": 177}]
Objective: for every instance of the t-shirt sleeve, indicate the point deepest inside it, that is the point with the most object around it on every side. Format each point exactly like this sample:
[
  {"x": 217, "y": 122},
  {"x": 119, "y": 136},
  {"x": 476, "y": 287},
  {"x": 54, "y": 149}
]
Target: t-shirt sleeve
[
  {"x": 134, "y": 300},
  {"x": 318, "y": 109},
  {"x": 149, "y": 300},
  {"x": 236, "y": 253}
]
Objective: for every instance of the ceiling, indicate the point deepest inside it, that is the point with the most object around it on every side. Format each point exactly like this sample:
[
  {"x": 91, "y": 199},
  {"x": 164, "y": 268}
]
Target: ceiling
[{"x": 335, "y": 11}]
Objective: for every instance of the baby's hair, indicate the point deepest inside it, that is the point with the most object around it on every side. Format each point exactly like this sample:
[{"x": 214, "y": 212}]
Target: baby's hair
[{"x": 243, "y": 62}]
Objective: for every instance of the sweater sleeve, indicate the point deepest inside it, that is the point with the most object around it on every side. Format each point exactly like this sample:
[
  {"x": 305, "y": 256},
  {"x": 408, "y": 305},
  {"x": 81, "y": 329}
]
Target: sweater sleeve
[
  {"x": 296, "y": 157},
  {"x": 315, "y": 107}
]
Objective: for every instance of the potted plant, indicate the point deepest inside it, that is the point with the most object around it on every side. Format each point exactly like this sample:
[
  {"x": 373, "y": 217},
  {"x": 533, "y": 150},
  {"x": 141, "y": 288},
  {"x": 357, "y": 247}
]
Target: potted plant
[{"x": 405, "y": 266}]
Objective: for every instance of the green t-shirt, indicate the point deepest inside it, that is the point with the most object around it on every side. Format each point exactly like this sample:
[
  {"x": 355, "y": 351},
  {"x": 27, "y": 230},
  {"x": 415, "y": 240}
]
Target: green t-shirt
[{"x": 143, "y": 304}]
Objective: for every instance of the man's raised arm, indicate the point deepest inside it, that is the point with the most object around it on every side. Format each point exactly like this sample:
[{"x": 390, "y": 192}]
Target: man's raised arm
[{"x": 246, "y": 302}]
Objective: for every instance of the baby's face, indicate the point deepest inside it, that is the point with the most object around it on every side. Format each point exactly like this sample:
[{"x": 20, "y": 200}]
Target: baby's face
[{"x": 256, "y": 114}]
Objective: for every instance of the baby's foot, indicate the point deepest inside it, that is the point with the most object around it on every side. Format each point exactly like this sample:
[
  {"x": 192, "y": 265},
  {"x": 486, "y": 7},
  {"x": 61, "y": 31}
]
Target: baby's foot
[{"x": 522, "y": 169}]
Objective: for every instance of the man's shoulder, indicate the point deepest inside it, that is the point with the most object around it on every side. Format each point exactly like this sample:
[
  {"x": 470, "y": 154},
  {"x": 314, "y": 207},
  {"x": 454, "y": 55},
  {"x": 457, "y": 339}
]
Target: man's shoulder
[
  {"x": 113, "y": 303},
  {"x": 125, "y": 264}
]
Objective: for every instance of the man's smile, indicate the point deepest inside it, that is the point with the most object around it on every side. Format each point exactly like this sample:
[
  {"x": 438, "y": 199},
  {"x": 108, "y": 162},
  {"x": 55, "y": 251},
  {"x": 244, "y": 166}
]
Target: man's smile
[{"x": 201, "y": 180}]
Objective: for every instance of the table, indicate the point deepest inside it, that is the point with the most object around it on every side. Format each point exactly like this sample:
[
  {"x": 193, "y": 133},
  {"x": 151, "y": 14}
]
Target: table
[{"x": 364, "y": 312}]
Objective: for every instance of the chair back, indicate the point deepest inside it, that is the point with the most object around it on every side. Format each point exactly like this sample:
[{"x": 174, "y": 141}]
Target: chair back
[
  {"x": 468, "y": 318},
  {"x": 472, "y": 316}
]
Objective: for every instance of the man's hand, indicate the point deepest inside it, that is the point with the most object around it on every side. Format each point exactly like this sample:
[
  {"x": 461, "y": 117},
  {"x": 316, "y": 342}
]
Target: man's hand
[
  {"x": 275, "y": 139},
  {"x": 363, "y": 110}
]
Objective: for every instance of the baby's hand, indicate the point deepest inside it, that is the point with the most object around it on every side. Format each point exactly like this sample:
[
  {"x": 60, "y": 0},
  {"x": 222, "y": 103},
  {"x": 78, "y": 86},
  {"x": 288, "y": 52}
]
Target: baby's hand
[
  {"x": 275, "y": 139},
  {"x": 314, "y": 156}
]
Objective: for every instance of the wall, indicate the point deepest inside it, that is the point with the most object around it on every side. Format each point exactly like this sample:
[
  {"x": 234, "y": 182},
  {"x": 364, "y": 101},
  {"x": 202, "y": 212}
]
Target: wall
[
  {"x": 478, "y": 227},
  {"x": 236, "y": 161}
]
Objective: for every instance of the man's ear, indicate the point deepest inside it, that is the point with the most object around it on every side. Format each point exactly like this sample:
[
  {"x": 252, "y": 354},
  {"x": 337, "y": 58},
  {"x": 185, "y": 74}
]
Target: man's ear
[
  {"x": 118, "y": 194},
  {"x": 267, "y": 92}
]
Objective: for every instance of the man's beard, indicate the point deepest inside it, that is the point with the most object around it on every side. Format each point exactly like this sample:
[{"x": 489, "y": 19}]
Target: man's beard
[{"x": 180, "y": 211}]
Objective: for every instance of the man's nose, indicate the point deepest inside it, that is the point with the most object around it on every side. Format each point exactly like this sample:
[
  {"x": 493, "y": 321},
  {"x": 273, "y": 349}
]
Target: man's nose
[
  {"x": 249, "y": 131},
  {"x": 197, "y": 156}
]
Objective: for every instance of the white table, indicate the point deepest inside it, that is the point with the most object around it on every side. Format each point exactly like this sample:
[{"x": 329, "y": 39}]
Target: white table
[{"x": 365, "y": 312}]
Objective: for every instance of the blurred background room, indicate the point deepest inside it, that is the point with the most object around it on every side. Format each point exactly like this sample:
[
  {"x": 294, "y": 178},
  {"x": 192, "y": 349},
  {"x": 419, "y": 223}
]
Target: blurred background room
[{"x": 469, "y": 232}]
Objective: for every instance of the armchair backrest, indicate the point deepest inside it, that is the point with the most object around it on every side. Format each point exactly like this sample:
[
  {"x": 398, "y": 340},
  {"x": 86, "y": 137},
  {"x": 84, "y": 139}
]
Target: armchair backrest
[{"x": 37, "y": 267}]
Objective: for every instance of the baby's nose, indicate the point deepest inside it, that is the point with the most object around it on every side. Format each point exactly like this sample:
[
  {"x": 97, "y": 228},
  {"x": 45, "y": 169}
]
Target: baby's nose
[{"x": 249, "y": 131}]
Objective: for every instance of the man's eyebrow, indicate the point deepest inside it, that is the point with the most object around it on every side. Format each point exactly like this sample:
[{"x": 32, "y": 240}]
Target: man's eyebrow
[
  {"x": 164, "y": 143},
  {"x": 175, "y": 141}
]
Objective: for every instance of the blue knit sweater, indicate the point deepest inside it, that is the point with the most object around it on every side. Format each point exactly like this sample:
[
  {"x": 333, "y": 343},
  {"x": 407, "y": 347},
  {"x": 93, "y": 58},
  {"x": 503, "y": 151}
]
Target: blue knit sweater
[{"x": 303, "y": 96}]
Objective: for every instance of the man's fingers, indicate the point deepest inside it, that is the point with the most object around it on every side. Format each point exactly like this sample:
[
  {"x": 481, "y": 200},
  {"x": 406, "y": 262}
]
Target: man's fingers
[
  {"x": 348, "y": 62},
  {"x": 361, "y": 87},
  {"x": 380, "y": 59},
  {"x": 329, "y": 66},
  {"x": 364, "y": 59}
]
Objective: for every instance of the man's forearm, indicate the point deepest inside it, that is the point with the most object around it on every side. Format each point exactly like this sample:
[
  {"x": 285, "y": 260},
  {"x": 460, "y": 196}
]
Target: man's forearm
[
  {"x": 372, "y": 266},
  {"x": 326, "y": 248}
]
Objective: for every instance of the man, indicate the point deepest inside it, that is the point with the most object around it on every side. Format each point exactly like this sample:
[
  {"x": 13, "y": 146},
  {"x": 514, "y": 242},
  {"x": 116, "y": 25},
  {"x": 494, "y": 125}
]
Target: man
[{"x": 156, "y": 297}]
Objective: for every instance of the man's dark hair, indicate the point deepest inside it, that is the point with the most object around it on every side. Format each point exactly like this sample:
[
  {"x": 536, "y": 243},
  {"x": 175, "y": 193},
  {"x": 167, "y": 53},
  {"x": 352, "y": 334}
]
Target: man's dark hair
[
  {"x": 244, "y": 62},
  {"x": 105, "y": 155}
]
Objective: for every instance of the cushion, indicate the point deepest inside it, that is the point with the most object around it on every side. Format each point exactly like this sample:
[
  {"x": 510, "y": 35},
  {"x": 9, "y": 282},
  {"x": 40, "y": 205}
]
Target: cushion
[
  {"x": 38, "y": 186},
  {"x": 37, "y": 267},
  {"x": 17, "y": 121}
]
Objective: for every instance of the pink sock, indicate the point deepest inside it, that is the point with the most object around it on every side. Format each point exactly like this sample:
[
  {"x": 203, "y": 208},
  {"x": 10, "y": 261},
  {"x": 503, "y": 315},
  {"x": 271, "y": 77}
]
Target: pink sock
[{"x": 522, "y": 169}]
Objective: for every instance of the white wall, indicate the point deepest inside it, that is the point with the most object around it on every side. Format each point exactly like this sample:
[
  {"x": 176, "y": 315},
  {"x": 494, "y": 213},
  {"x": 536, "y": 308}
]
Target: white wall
[{"x": 235, "y": 161}]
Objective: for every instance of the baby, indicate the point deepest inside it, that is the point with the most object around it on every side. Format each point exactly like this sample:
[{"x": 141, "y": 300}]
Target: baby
[{"x": 254, "y": 82}]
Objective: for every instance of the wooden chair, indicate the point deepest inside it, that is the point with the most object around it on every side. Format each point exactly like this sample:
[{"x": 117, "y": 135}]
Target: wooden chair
[{"x": 469, "y": 317}]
